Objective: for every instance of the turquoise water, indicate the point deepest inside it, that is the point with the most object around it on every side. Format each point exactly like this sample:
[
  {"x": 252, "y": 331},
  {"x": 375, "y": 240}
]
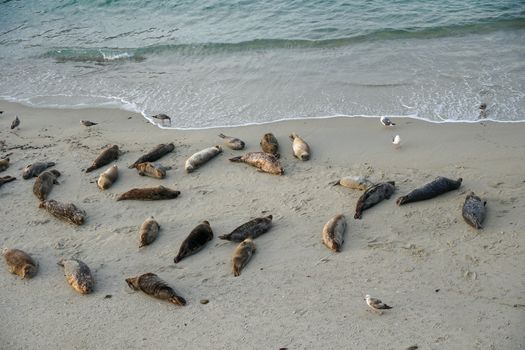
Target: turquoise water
[{"x": 215, "y": 63}]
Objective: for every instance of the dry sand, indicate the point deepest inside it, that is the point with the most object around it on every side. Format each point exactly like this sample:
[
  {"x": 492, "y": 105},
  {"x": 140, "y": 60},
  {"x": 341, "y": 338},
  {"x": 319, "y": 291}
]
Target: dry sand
[{"x": 451, "y": 287}]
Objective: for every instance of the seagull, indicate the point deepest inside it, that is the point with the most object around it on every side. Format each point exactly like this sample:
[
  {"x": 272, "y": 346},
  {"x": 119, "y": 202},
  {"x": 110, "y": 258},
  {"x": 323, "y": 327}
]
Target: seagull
[
  {"x": 396, "y": 141},
  {"x": 386, "y": 121},
  {"x": 87, "y": 123},
  {"x": 376, "y": 304},
  {"x": 15, "y": 123},
  {"x": 482, "y": 110},
  {"x": 162, "y": 117}
]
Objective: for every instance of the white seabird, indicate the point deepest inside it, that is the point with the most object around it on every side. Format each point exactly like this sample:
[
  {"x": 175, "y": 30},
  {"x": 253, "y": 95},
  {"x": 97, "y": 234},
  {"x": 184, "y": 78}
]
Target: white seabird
[
  {"x": 396, "y": 141},
  {"x": 386, "y": 121},
  {"x": 376, "y": 304}
]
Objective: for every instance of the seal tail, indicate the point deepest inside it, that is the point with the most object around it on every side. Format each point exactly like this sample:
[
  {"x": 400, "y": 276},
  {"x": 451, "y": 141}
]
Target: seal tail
[
  {"x": 236, "y": 159},
  {"x": 236, "y": 271},
  {"x": 222, "y": 136},
  {"x": 385, "y": 306},
  {"x": 177, "y": 300},
  {"x": 335, "y": 183},
  {"x": 90, "y": 169},
  {"x": 402, "y": 200},
  {"x": 225, "y": 237}
]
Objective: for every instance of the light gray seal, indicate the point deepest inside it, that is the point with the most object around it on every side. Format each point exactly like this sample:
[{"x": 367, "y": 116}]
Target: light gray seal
[{"x": 474, "y": 210}]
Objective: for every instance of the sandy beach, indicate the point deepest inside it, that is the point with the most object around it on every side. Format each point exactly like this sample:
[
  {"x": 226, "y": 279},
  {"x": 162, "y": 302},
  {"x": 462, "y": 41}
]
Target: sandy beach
[{"x": 451, "y": 286}]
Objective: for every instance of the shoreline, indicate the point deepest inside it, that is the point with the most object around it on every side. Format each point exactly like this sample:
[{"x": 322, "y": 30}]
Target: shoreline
[{"x": 450, "y": 286}]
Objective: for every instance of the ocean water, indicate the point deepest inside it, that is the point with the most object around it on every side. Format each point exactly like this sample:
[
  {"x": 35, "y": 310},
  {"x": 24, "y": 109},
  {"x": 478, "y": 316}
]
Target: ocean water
[{"x": 227, "y": 62}]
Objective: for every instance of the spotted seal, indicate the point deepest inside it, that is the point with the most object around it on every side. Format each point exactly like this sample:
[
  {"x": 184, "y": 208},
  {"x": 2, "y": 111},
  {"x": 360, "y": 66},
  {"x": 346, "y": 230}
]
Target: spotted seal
[
  {"x": 301, "y": 150},
  {"x": 474, "y": 210},
  {"x": 374, "y": 195},
  {"x": 195, "y": 241},
  {"x": 154, "y": 170},
  {"x": 270, "y": 145},
  {"x": 107, "y": 178},
  {"x": 149, "y": 230},
  {"x": 78, "y": 275},
  {"x": 156, "y": 153},
  {"x": 242, "y": 255},
  {"x": 201, "y": 157},
  {"x": 333, "y": 232},
  {"x": 265, "y": 162},
  {"x": 20, "y": 263},
  {"x": 251, "y": 229},
  {"x": 430, "y": 190},
  {"x": 152, "y": 285},
  {"x": 35, "y": 169},
  {"x": 105, "y": 157},
  {"x": 64, "y": 211},
  {"x": 232, "y": 142},
  {"x": 149, "y": 194},
  {"x": 44, "y": 183}
]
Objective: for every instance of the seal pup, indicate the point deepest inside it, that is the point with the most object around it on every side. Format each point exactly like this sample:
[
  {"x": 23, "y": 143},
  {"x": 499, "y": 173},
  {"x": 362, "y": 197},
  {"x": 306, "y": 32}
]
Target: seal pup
[
  {"x": 162, "y": 117},
  {"x": 149, "y": 194},
  {"x": 374, "y": 195},
  {"x": 78, "y": 275},
  {"x": 15, "y": 123},
  {"x": 154, "y": 170},
  {"x": 265, "y": 162},
  {"x": 6, "y": 179},
  {"x": 430, "y": 190},
  {"x": 155, "y": 154},
  {"x": 386, "y": 121},
  {"x": 107, "y": 178},
  {"x": 333, "y": 233},
  {"x": 105, "y": 157},
  {"x": 376, "y": 305},
  {"x": 4, "y": 164},
  {"x": 20, "y": 263},
  {"x": 301, "y": 150},
  {"x": 474, "y": 210},
  {"x": 149, "y": 230},
  {"x": 251, "y": 229},
  {"x": 64, "y": 211},
  {"x": 232, "y": 142},
  {"x": 33, "y": 170},
  {"x": 353, "y": 182},
  {"x": 152, "y": 285},
  {"x": 201, "y": 157},
  {"x": 195, "y": 241},
  {"x": 44, "y": 183},
  {"x": 87, "y": 123},
  {"x": 270, "y": 145},
  {"x": 242, "y": 255}
]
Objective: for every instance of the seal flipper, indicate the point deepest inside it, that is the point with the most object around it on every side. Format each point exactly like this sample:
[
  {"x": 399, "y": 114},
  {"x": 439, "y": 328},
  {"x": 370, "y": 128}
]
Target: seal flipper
[{"x": 236, "y": 159}]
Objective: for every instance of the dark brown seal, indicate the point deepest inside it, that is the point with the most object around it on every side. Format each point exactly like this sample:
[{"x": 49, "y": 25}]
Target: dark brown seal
[
  {"x": 270, "y": 145},
  {"x": 64, "y": 211},
  {"x": 232, "y": 142},
  {"x": 20, "y": 263},
  {"x": 149, "y": 194},
  {"x": 474, "y": 210},
  {"x": 374, "y": 195},
  {"x": 33, "y": 170},
  {"x": 105, "y": 157},
  {"x": 333, "y": 233},
  {"x": 432, "y": 189},
  {"x": 156, "y": 153},
  {"x": 44, "y": 183},
  {"x": 6, "y": 179},
  {"x": 78, "y": 275},
  {"x": 242, "y": 255},
  {"x": 149, "y": 230},
  {"x": 251, "y": 229},
  {"x": 195, "y": 241},
  {"x": 265, "y": 162},
  {"x": 152, "y": 285}
]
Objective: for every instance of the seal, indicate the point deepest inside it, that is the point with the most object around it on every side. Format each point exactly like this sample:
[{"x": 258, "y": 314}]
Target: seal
[
  {"x": 353, "y": 182},
  {"x": 232, "y": 142},
  {"x": 4, "y": 164},
  {"x": 474, "y": 210},
  {"x": 33, "y": 170},
  {"x": 242, "y": 255},
  {"x": 78, "y": 275},
  {"x": 149, "y": 230},
  {"x": 20, "y": 263},
  {"x": 201, "y": 157},
  {"x": 270, "y": 145},
  {"x": 149, "y": 194},
  {"x": 251, "y": 229},
  {"x": 44, "y": 183},
  {"x": 107, "y": 178},
  {"x": 432, "y": 189},
  {"x": 333, "y": 232},
  {"x": 64, "y": 211},
  {"x": 301, "y": 150},
  {"x": 374, "y": 195},
  {"x": 152, "y": 285},
  {"x": 265, "y": 162},
  {"x": 105, "y": 157},
  {"x": 195, "y": 241},
  {"x": 6, "y": 179},
  {"x": 155, "y": 154},
  {"x": 154, "y": 170}
]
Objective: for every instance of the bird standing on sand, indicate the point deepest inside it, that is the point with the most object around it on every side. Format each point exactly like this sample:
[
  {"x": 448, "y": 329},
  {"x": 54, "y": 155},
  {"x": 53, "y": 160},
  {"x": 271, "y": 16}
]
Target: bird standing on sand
[
  {"x": 162, "y": 117},
  {"x": 376, "y": 304},
  {"x": 15, "y": 123},
  {"x": 396, "y": 141},
  {"x": 87, "y": 123},
  {"x": 386, "y": 121}
]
